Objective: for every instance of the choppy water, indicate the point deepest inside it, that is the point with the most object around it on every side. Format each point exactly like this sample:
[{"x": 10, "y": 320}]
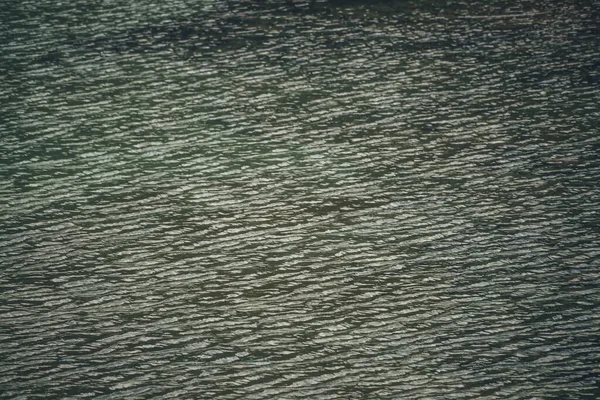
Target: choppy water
[{"x": 232, "y": 201}]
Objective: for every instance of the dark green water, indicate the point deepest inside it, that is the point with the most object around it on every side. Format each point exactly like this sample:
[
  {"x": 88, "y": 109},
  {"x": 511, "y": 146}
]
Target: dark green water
[{"x": 212, "y": 200}]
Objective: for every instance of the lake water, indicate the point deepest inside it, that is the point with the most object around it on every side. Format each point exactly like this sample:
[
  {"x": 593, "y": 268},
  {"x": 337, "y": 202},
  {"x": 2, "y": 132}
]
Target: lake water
[{"x": 232, "y": 200}]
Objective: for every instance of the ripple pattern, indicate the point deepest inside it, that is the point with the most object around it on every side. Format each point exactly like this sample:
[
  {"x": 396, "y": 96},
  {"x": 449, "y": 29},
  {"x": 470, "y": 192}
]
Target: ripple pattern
[{"x": 241, "y": 200}]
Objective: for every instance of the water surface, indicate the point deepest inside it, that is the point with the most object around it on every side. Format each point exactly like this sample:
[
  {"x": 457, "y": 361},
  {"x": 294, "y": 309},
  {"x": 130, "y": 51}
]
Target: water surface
[{"x": 236, "y": 201}]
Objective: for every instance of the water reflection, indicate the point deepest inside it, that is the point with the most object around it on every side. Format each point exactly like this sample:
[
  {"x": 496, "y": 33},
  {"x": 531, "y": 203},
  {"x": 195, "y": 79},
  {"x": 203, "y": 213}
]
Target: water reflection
[{"x": 254, "y": 200}]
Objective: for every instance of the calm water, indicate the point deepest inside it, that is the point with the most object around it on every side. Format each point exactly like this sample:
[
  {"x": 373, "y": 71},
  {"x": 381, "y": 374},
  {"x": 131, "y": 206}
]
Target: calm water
[{"x": 219, "y": 200}]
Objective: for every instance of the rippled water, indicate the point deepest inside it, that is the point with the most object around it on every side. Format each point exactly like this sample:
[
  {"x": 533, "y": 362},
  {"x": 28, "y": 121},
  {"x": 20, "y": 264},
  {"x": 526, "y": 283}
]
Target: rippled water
[{"x": 228, "y": 200}]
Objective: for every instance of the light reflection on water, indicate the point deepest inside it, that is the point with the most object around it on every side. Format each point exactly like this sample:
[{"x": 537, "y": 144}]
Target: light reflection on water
[{"x": 251, "y": 201}]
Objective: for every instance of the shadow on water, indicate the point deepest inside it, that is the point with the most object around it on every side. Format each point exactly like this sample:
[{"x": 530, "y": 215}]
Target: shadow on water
[
  {"x": 234, "y": 24},
  {"x": 231, "y": 24}
]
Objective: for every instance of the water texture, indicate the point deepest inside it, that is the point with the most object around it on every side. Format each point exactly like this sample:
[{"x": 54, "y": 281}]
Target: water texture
[{"x": 242, "y": 200}]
